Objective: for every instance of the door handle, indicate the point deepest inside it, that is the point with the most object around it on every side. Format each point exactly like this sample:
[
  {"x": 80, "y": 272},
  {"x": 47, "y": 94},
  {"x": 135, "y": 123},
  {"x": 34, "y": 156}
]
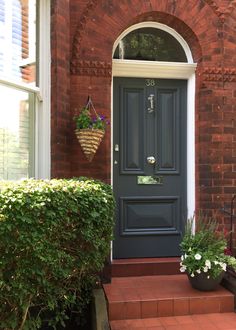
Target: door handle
[
  {"x": 151, "y": 160},
  {"x": 151, "y": 100}
]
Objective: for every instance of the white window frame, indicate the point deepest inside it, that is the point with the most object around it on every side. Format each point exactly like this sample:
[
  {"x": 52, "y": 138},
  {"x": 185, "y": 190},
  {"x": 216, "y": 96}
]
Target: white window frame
[
  {"x": 42, "y": 149},
  {"x": 165, "y": 70},
  {"x": 43, "y": 113}
]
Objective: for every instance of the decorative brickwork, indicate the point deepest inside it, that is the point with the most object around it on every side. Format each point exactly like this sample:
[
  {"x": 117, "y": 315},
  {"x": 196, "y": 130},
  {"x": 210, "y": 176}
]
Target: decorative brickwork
[
  {"x": 219, "y": 74},
  {"x": 216, "y": 9},
  {"x": 91, "y": 68},
  {"x": 221, "y": 12},
  {"x": 222, "y": 8},
  {"x": 81, "y": 25}
]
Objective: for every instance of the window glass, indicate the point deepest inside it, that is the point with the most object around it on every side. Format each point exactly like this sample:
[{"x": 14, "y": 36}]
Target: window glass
[
  {"x": 150, "y": 44},
  {"x": 18, "y": 40},
  {"x": 18, "y": 90},
  {"x": 16, "y": 134}
]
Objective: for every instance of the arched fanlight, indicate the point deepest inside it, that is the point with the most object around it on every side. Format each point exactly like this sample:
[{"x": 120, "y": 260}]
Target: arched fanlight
[{"x": 150, "y": 44}]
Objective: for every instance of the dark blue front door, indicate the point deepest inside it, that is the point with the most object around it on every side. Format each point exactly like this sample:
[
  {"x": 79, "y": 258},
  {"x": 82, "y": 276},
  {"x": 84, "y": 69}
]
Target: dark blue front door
[{"x": 149, "y": 171}]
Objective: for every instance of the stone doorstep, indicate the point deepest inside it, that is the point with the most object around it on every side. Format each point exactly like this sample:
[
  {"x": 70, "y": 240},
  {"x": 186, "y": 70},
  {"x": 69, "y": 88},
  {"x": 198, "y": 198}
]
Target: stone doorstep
[
  {"x": 162, "y": 296},
  {"x": 225, "y": 321},
  {"x": 145, "y": 267},
  {"x": 132, "y": 299}
]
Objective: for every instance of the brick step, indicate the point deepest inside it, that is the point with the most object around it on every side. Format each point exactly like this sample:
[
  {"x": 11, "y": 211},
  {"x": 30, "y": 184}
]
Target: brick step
[
  {"x": 160, "y": 296},
  {"x": 145, "y": 267},
  {"x": 189, "y": 322}
]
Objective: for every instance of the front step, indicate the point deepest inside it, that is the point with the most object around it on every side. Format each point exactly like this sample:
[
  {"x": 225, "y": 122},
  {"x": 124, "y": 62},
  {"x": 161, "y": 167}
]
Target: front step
[
  {"x": 161, "y": 296},
  {"x": 145, "y": 267},
  {"x": 188, "y": 322}
]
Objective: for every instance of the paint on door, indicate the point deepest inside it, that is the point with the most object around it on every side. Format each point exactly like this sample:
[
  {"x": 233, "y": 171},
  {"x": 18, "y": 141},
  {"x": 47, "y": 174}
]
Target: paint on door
[{"x": 149, "y": 171}]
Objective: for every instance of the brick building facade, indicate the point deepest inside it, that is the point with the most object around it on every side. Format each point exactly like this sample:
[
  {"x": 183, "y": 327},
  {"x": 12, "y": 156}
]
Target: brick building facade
[{"x": 83, "y": 34}]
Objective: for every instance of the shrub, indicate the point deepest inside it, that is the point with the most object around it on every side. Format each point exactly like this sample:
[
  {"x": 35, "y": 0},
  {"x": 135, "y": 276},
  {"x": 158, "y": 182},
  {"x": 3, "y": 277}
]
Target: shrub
[{"x": 54, "y": 238}]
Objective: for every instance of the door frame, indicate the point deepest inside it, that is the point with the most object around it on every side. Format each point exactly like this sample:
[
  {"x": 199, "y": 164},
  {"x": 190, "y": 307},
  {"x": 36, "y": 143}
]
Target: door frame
[{"x": 164, "y": 70}]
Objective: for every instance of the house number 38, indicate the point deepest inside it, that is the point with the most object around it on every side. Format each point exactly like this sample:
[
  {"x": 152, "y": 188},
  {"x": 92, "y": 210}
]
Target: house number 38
[{"x": 150, "y": 82}]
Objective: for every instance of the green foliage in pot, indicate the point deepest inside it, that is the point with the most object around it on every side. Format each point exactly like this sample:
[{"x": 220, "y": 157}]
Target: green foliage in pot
[
  {"x": 54, "y": 238},
  {"x": 84, "y": 120},
  {"x": 203, "y": 251}
]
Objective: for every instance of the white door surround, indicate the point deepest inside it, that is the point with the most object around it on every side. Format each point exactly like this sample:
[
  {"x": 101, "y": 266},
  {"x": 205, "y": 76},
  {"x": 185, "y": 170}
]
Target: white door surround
[{"x": 166, "y": 70}]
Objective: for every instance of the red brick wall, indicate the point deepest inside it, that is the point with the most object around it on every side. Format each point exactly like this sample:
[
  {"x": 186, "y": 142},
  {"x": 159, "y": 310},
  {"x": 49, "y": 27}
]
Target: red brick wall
[
  {"x": 60, "y": 90},
  {"x": 208, "y": 26}
]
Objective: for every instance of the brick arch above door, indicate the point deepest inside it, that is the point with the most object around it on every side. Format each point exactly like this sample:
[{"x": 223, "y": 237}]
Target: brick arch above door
[{"x": 99, "y": 25}]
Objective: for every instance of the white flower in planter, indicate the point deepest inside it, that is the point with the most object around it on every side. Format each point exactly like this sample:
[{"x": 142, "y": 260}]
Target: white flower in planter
[
  {"x": 208, "y": 264},
  {"x": 198, "y": 256},
  {"x": 182, "y": 269},
  {"x": 223, "y": 266},
  {"x": 205, "y": 246}
]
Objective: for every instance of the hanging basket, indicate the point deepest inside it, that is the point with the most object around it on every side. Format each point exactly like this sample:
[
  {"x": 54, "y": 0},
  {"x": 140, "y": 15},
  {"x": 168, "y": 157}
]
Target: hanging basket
[
  {"x": 89, "y": 139},
  {"x": 92, "y": 134}
]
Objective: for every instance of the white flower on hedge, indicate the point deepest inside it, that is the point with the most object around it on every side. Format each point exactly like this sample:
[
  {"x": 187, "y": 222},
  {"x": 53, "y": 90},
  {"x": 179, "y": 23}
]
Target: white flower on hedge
[
  {"x": 208, "y": 264},
  {"x": 198, "y": 256},
  {"x": 183, "y": 269},
  {"x": 208, "y": 277},
  {"x": 192, "y": 275},
  {"x": 216, "y": 262},
  {"x": 205, "y": 269},
  {"x": 182, "y": 258},
  {"x": 198, "y": 271},
  {"x": 185, "y": 256}
]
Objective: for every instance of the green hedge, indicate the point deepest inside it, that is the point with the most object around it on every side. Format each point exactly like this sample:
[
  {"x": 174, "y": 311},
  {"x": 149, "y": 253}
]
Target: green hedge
[{"x": 54, "y": 236}]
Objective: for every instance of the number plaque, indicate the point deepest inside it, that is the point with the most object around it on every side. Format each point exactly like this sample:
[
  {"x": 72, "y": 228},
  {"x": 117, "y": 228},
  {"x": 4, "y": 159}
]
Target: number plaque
[{"x": 150, "y": 82}]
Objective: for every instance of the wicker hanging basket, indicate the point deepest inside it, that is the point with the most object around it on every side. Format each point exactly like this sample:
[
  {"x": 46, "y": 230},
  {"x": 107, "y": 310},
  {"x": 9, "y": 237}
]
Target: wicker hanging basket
[{"x": 89, "y": 139}]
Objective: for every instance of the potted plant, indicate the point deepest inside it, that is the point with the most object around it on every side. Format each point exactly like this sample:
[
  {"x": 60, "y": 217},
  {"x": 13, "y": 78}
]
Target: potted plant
[
  {"x": 204, "y": 257},
  {"x": 90, "y": 129}
]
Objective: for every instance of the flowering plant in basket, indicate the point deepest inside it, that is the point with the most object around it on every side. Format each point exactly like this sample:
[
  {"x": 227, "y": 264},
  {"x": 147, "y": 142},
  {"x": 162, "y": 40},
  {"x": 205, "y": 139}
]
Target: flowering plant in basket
[
  {"x": 85, "y": 121},
  {"x": 203, "y": 252},
  {"x": 90, "y": 129}
]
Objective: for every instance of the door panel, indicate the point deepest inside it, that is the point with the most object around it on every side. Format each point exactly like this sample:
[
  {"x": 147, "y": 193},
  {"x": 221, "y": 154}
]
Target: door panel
[
  {"x": 168, "y": 126},
  {"x": 149, "y": 121},
  {"x": 132, "y": 143},
  {"x": 148, "y": 216}
]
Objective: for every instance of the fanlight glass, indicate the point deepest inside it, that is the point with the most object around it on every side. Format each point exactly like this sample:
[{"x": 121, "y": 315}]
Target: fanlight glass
[{"x": 150, "y": 44}]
